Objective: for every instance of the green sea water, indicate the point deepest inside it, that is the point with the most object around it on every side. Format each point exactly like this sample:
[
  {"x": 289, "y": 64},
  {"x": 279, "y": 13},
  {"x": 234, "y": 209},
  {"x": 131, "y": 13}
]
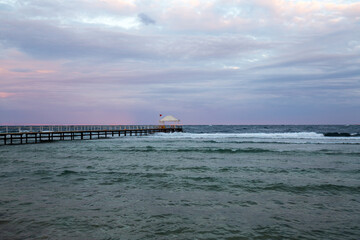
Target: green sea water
[{"x": 210, "y": 182}]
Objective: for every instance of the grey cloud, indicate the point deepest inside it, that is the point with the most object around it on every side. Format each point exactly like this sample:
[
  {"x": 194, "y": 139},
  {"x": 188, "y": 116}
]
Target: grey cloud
[
  {"x": 21, "y": 70},
  {"x": 318, "y": 61},
  {"x": 145, "y": 19},
  {"x": 5, "y": 7},
  {"x": 43, "y": 40},
  {"x": 338, "y": 77}
]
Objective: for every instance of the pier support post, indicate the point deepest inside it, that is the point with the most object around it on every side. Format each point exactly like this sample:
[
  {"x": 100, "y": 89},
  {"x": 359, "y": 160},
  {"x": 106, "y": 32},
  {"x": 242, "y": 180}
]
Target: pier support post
[{"x": 74, "y": 133}]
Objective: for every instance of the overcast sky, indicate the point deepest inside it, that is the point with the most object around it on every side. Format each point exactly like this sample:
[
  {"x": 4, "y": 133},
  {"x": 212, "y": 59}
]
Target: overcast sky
[{"x": 205, "y": 62}]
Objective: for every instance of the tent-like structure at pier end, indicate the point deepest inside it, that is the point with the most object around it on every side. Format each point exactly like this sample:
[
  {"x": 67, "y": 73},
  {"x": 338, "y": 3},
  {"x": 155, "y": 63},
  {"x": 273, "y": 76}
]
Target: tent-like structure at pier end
[{"x": 169, "y": 119}]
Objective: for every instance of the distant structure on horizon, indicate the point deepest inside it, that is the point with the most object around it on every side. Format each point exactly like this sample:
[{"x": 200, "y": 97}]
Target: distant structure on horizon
[{"x": 169, "y": 119}]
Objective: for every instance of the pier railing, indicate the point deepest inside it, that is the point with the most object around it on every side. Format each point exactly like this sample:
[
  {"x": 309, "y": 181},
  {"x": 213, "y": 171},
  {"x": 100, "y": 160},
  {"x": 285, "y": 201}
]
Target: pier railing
[
  {"x": 71, "y": 128},
  {"x": 37, "y": 134}
]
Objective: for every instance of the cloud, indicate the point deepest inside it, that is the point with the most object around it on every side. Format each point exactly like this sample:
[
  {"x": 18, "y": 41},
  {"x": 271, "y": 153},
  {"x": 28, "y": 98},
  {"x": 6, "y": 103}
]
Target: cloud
[
  {"x": 238, "y": 58},
  {"x": 6, "y": 94},
  {"x": 46, "y": 41},
  {"x": 21, "y": 70},
  {"x": 145, "y": 19}
]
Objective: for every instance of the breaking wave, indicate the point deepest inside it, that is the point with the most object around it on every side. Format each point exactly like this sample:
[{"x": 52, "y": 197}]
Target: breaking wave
[
  {"x": 278, "y": 138},
  {"x": 296, "y": 135}
]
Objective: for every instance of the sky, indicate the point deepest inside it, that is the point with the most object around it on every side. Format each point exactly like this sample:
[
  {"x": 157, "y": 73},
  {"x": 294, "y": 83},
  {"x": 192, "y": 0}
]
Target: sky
[{"x": 204, "y": 62}]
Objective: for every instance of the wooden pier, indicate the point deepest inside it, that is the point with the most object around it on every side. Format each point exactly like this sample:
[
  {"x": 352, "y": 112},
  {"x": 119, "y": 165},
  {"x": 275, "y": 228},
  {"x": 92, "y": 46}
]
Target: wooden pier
[{"x": 79, "y": 133}]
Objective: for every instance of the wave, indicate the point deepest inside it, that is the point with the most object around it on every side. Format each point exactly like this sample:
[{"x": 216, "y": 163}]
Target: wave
[
  {"x": 287, "y": 135},
  {"x": 67, "y": 172},
  {"x": 247, "y": 150},
  {"x": 330, "y": 188},
  {"x": 341, "y": 134},
  {"x": 240, "y": 150},
  {"x": 327, "y": 189},
  {"x": 201, "y": 150},
  {"x": 265, "y": 138}
]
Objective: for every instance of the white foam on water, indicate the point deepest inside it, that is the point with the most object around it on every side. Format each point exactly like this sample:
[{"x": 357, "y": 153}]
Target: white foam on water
[
  {"x": 297, "y": 135},
  {"x": 293, "y": 138}
]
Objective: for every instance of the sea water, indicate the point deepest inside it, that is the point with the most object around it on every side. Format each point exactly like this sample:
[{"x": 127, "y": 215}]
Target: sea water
[{"x": 210, "y": 182}]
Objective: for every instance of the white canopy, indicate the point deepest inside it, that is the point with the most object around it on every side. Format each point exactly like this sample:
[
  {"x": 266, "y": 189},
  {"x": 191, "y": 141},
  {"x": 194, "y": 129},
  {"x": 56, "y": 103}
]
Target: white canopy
[{"x": 169, "y": 119}]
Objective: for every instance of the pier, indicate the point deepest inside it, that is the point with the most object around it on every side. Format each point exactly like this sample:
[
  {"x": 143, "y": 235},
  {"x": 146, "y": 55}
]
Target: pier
[{"x": 38, "y": 134}]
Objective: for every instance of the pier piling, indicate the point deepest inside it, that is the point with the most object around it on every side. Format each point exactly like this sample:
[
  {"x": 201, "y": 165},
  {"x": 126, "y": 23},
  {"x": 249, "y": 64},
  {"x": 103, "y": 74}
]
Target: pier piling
[{"x": 10, "y": 135}]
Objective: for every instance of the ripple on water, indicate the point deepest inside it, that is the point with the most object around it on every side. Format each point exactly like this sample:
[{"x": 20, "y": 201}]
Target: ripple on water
[{"x": 159, "y": 188}]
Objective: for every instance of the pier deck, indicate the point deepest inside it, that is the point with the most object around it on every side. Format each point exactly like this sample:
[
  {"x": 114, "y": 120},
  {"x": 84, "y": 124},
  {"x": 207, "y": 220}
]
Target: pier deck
[{"x": 79, "y": 133}]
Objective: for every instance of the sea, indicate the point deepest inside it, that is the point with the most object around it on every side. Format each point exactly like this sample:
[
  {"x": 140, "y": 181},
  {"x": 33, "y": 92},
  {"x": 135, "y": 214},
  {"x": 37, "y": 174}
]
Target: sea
[{"x": 208, "y": 182}]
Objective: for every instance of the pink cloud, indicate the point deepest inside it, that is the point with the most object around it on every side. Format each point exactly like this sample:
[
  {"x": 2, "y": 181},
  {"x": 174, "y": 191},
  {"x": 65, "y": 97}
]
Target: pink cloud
[{"x": 6, "y": 94}]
